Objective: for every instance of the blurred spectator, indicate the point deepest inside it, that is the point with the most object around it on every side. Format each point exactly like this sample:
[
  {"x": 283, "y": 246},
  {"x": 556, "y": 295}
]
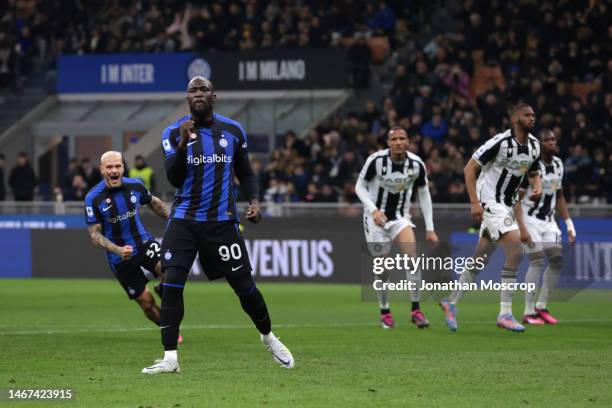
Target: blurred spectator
[
  {"x": 577, "y": 170},
  {"x": 596, "y": 186},
  {"x": 327, "y": 195},
  {"x": 77, "y": 190},
  {"x": 360, "y": 57},
  {"x": 91, "y": 173},
  {"x": 312, "y": 193},
  {"x": 436, "y": 128},
  {"x": 143, "y": 172},
  {"x": 73, "y": 170},
  {"x": 22, "y": 179}
]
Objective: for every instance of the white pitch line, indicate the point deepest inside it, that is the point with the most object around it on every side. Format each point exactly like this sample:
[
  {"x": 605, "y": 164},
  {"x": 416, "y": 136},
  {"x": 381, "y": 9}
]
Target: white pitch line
[
  {"x": 184, "y": 327},
  {"x": 248, "y": 326}
]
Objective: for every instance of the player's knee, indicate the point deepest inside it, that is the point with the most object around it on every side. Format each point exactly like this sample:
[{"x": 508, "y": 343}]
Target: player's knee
[
  {"x": 242, "y": 285},
  {"x": 513, "y": 260},
  {"x": 175, "y": 277},
  {"x": 145, "y": 301},
  {"x": 536, "y": 260},
  {"x": 556, "y": 261},
  {"x": 147, "y": 305}
]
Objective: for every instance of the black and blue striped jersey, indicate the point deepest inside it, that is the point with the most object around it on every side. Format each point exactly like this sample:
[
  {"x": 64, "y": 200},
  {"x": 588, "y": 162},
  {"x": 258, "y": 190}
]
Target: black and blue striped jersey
[
  {"x": 116, "y": 209},
  {"x": 203, "y": 173}
]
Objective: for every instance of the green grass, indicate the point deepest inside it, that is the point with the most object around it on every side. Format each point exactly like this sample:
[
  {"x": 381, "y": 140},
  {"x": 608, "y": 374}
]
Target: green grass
[{"x": 85, "y": 335}]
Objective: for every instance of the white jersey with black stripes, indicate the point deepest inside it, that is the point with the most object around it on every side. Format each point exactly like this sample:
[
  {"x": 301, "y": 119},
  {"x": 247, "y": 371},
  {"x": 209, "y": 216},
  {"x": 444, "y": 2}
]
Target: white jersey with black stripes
[
  {"x": 552, "y": 177},
  {"x": 505, "y": 163},
  {"x": 389, "y": 184}
]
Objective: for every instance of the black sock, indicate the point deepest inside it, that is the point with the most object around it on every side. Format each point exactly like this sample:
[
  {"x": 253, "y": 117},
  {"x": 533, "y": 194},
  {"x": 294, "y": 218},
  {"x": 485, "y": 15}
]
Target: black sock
[
  {"x": 385, "y": 311},
  {"x": 172, "y": 309},
  {"x": 252, "y": 302},
  {"x": 416, "y": 306},
  {"x": 171, "y": 317},
  {"x": 255, "y": 306}
]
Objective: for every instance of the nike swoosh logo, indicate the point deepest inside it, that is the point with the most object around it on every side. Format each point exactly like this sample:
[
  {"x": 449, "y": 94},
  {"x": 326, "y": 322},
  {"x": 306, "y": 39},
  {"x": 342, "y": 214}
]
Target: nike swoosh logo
[
  {"x": 190, "y": 143},
  {"x": 236, "y": 268},
  {"x": 285, "y": 363},
  {"x": 163, "y": 327},
  {"x": 104, "y": 209}
]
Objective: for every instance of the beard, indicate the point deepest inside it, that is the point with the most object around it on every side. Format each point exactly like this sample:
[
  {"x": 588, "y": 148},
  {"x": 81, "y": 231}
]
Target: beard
[{"x": 201, "y": 110}]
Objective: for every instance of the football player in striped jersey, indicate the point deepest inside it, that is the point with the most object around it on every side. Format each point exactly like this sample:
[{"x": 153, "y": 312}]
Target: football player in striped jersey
[
  {"x": 536, "y": 219},
  {"x": 384, "y": 187},
  {"x": 503, "y": 162}
]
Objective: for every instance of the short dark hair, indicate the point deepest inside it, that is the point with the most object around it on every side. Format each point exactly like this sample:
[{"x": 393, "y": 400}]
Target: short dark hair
[
  {"x": 519, "y": 105},
  {"x": 395, "y": 128},
  {"x": 545, "y": 132},
  {"x": 22, "y": 154}
]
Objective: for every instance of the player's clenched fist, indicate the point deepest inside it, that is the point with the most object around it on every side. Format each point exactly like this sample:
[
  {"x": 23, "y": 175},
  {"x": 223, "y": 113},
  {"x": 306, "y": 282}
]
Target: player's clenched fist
[
  {"x": 186, "y": 131},
  {"x": 536, "y": 193},
  {"x": 477, "y": 211},
  {"x": 125, "y": 252},
  {"x": 379, "y": 217},
  {"x": 253, "y": 213}
]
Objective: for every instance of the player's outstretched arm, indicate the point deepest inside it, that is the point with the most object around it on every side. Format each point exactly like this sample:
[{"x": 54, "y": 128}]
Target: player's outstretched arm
[
  {"x": 427, "y": 210},
  {"x": 245, "y": 175},
  {"x": 471, "y": 170},
  {"x": 518, "y": 214},
  {"x": 535, "y": 181},
  {"x": 95, "y": 233},
  {"x": 158, "y": 207},
  {"x": 361, "y": 189},
  {"x": 561, "y": 206}
]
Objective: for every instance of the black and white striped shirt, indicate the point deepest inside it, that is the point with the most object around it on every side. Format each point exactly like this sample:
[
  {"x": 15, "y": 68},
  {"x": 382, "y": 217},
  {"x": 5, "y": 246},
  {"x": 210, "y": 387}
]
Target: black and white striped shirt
[
  {"x": 552, "y": 177},
  {"x": 390, "y": 183},
  {"x": 505, "y": 163}
]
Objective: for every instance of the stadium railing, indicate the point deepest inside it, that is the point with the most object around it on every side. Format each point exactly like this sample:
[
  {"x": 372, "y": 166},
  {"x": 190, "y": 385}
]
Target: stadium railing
[{"x": 452, "y": 210}]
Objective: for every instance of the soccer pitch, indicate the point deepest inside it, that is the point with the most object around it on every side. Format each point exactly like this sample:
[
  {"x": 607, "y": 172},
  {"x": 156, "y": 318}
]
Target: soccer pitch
[{"x": 86, "y": 336}]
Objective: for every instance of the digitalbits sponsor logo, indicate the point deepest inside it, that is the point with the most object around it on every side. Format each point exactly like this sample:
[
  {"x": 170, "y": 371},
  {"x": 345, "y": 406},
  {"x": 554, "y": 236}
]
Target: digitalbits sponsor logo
[
  {"x": 215, "y": 158},
  {"x": 199, "y": 67},
  {"x": 122, "y": 217}
]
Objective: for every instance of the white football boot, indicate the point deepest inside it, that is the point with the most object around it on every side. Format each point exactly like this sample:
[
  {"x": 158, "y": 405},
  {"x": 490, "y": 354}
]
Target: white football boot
[
  {"x": 280, "y": 353},
  {"x": 162, "y": 366}
]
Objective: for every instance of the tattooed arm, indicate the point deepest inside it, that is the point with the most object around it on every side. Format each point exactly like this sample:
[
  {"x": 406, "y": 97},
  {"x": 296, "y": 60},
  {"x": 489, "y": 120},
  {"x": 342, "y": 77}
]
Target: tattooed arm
[
  {"x": 158, "y": 207},
  {"x": 125, "y": 252}
]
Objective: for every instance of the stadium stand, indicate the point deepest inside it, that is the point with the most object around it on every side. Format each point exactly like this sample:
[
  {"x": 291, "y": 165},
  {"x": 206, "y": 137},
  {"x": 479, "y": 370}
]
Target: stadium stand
[{"x": 447, "y": 70}]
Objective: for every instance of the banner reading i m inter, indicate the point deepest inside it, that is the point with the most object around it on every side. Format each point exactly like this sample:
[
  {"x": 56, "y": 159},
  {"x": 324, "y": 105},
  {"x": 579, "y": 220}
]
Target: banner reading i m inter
[
  {"x": 107, "y": 73},
  {"x": 230, "y": 71}
]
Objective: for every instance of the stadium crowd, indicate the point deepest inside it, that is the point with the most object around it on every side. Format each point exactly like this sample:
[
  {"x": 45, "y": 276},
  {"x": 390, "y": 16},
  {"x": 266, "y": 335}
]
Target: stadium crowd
[
  {"x": 457, "y": 66},
  {"x": 547, "y": 50}
]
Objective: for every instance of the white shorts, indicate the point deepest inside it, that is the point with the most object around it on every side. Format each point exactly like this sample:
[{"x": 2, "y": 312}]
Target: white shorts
[
  {"x": 544, "y": 234},
  {"x": 380, "y": 239},
  {"x": 497, "y": 219}
]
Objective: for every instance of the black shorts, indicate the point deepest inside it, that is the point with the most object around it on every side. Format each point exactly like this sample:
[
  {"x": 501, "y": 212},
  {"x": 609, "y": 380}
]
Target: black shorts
[
  {"x": 221, "y": 247},
  {"x": 128, "y": 273}
]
